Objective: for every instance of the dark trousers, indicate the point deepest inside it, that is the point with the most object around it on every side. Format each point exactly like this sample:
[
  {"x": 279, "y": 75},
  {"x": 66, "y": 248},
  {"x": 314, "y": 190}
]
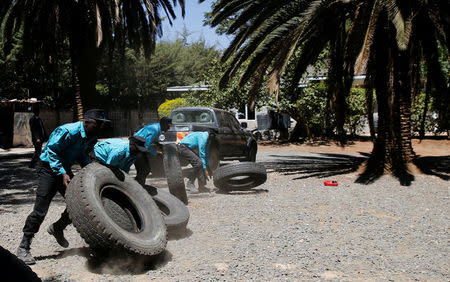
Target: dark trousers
[
  {"x": 142, "y": 165},
  {"x": 196, "y": 163},
  {"x": 49, "y": 184},
  {"x": 37, "y": 153}
]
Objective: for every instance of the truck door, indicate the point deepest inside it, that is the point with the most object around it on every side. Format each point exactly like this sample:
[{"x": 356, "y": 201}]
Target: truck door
[
  {"x": 238, "y": 141},
  {"x": 225, "y": 136}
]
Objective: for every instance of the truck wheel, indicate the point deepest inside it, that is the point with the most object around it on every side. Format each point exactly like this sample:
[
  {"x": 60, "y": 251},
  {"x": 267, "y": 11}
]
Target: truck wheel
[
  {"x": 93, "y": 198},
  {"x": 175, "y": 212},
  {"x": 239, "y": 176},
  {"x": 251, "y": 153},
  {"x": 173, "y": 171},
  {"x": 214, "y": 159}
]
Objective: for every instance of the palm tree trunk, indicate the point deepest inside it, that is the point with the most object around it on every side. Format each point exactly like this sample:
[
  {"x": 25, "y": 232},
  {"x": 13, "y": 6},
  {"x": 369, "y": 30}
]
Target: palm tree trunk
[
  {"x": 83, "y": 54},
  {"x": 392, "y": 149},
  {"x": 78, "y": 102}
]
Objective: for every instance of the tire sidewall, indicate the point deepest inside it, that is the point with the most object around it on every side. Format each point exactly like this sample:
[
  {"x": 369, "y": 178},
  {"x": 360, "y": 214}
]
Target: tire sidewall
[{"x": 153, "y": 228}]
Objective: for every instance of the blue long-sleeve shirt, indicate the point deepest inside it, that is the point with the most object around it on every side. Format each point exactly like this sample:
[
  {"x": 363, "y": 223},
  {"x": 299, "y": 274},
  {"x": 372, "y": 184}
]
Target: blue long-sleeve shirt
[
  {"x": 150, "y": 133},
  {"x": 198, "y": 140},
  {"x": 67, "y": 145},
  {"x": 115, "y": 152}
]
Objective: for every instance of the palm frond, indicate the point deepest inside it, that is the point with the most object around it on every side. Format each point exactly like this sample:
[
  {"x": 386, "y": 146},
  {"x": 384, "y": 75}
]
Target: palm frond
[
  {"x": 363, "y": 57},
  {"x": 403, "y": 27}
]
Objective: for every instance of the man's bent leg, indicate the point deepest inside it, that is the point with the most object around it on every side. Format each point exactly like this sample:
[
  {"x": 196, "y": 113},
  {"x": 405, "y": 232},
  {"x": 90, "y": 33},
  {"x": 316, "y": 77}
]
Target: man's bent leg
[
  {"x": 196, "y": 163},
  {"x": 57, "y": 229},
  {"x": 142, "y": 168},
  {"x": 44, "y": 194}
]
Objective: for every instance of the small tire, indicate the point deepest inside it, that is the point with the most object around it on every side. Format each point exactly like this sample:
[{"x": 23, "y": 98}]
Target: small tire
[
  {"x": 239, "y": 176},
  {"x": 141, "y": 230},
  {"x": 174, "y": 173},
  {"x": 174, "y": 211}
]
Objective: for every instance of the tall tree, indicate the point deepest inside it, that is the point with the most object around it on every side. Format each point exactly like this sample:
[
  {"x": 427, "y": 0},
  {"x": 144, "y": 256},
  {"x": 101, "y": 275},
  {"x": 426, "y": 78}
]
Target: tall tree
[
  {"x": 385, "y": 39},
  {"x": 89, "y": 26}
]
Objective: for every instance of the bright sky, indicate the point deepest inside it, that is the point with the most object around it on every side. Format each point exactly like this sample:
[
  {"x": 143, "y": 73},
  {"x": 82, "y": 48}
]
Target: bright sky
[{"x": 193, "y": 21}]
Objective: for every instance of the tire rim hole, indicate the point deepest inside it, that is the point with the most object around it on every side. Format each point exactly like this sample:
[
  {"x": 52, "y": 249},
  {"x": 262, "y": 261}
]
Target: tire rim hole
[
  {"x": 117, "y": 204},
  {"x": 163, "y": 208}
]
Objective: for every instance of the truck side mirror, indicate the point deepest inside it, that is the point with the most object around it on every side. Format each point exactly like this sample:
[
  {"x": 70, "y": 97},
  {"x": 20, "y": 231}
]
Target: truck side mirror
[{"x": 243, "y": 124}]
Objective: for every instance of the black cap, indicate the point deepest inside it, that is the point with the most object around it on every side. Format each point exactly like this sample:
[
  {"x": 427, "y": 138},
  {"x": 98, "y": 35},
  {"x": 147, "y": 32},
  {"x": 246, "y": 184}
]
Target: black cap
[
  {"x": 139, "y": 142},
  {"x": 165, "y": 120},
  {"x": 97, "y": 114}
]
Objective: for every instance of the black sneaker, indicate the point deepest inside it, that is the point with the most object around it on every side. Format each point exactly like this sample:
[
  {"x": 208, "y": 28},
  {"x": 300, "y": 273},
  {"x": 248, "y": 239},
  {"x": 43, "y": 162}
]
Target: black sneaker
[
  {"x": 58, "y": 234},
  {"x": 25, "y": 256}
]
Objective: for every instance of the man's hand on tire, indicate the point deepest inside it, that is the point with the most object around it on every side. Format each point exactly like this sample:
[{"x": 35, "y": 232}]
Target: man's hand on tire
[{"x": 66, "y": 179}]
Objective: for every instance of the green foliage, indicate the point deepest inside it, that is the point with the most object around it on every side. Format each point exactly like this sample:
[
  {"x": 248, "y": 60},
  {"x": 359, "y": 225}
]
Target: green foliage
[
  {"x": 417, "y": 108},
  {"x": 167, "y": 107},
  {"x": 134, "y": 81},
  {"x": 356, "y": 110},
  {"x": 232, "y": 96},
  {"x": 312, "y": 107}
]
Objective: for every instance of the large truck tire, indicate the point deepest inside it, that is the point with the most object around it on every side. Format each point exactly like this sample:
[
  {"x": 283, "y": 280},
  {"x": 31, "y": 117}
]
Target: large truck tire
[
  {"x": 174, "y": 174},
  {"x": 239, "y": 176},
  {"x": 174, "y": 211},
  {"x": 96, "y": 195}
]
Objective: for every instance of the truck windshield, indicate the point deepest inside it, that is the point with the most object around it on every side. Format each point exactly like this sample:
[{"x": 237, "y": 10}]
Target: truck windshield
[{"x": 192, "y": 116}]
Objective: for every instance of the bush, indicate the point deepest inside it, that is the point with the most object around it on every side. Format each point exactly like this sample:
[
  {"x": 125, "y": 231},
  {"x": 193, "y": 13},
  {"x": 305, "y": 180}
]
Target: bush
[
  {"x": 431, "y": 122},
  {"x": 165, "y": 108},
  {"x": 356, "y": 110}
]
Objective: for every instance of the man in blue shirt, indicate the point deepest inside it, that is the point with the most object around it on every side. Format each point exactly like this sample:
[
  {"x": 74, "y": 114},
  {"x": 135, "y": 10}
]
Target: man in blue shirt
[
  {"x": 150, "y": 133},
  {"x": 120, "y": 153},
  {"x": 201, "y": 142},
  {"x": 68, "y": 144}
]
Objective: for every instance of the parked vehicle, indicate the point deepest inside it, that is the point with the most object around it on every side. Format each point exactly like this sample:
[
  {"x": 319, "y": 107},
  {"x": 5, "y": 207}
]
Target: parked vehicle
[{"x": 233, "y": 141}]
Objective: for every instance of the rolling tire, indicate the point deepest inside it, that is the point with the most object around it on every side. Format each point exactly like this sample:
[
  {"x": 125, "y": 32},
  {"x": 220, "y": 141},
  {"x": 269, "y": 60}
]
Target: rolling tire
[
  {"x": 96, "y": 195},
  {"x": 174, "y": 211},
  {"x": 239, "y": 176},
  {"x": 173, "y": 172}
]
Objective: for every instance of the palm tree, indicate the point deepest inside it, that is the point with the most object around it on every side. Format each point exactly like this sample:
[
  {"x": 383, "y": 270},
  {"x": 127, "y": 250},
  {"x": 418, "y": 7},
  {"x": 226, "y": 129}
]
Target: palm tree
[
  {"x": 387, "y": 40},
  {"x": 88, "y": 26}
]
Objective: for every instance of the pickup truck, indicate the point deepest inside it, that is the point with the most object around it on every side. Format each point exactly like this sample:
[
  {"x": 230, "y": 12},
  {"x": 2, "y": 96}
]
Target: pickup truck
[{"x": 233, "y": 141}]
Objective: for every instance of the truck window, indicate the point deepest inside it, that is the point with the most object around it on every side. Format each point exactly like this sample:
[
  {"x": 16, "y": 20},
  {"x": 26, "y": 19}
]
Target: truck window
[
  {"x": 196, "y": 116},
  {"x": 234, "y": 124}
]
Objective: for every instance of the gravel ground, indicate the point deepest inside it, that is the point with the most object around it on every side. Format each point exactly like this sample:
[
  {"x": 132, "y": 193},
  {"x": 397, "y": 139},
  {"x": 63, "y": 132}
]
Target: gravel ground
[{"x": 290, "y": 228}]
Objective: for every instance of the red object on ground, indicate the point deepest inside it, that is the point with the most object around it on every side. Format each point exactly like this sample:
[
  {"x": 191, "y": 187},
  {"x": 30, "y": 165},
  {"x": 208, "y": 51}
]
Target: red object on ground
[{"x": 330, "y": 183}]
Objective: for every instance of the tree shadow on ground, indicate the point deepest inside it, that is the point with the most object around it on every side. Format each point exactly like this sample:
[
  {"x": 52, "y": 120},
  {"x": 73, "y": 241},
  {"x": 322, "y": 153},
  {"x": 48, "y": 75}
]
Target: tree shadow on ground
[
  {"x": 324, "y": 165},
  {"x": 17, "y": 181},
  {"x": 434, "y": 165}
]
